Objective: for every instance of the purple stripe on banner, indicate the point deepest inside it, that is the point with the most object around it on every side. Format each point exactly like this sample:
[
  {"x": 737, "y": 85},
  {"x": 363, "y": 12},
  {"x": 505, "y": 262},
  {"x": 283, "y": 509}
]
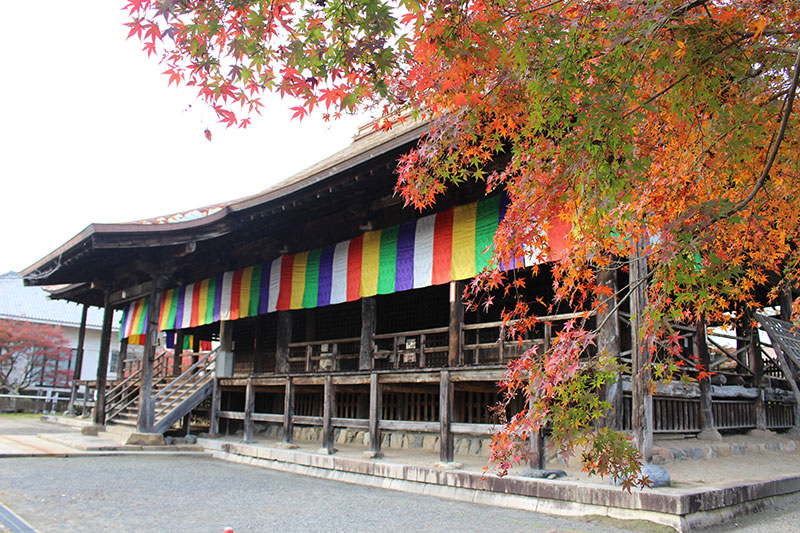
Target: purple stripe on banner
[
  {"x": 505, "y": 201},
  {"x": 179, "y": 310},
  {"x": 404, "y": 272},
  {"x": 325, "y": 275},
  {"x": 263, "y": 289},
  {"x": 217, "y": 297},
  {"x": 170, "y": 340}
]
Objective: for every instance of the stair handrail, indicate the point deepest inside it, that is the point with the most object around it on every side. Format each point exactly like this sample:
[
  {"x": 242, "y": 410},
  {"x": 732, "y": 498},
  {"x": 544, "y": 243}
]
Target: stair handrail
[
  {"x": 203, "y": 361},
  {"x": 170, "y": 401},
  {"x": 114, "y": 395}
]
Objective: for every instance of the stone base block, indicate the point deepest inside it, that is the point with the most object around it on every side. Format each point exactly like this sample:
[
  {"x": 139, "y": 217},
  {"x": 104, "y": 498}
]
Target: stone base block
[
  {"x": 449, "y": 466},
  {"x": 145, "y": 439},
  {"x": 327, "y": 451},
  {"x": 543, "y": 473},
  {"x": 286, "y": 445},
  {"x": 372, "y": 455},
  {"x": 91, "y": 430}
]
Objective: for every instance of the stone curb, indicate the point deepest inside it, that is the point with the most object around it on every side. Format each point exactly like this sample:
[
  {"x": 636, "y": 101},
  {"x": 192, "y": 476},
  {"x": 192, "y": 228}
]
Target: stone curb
[{"x": 683, "y": 510}]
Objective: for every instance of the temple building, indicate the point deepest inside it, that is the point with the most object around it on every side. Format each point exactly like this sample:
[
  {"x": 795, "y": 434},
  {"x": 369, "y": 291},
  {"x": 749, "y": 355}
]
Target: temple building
[{"x": 334, "y": 308}]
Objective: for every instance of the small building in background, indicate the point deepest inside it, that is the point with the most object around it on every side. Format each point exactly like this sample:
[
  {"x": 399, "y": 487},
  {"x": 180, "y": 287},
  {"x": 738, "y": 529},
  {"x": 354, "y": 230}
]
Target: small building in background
[{"x": 33, "y": 304}]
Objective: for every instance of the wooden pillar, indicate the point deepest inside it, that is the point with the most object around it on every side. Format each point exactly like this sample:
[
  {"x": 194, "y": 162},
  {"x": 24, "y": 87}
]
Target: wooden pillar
[
  {"x": 249, "y": 405},
  {"x": 176, "y": 361},
  {"x": 642, "y": 400},
  {"x": 455, "y": 357},
  {"x": 224, "y": 364},
  {"x": 102, "y": 362},
  {"x": 216, "y": 397},
  {"x": 700, "y": 349},
  {"x": 76, "y": 372},
  {"x": 785, "y": 301},
  {"x": 328, "y": 412},
  {"x": 538, "y": 451},
  {"x": 445, "y": 417},
  {"x": 187, "y": 424},
  {"x": 146, "y": 406},
  {"x": 195, "y": 348},
  {"x": 123, "y": 354},
  {"x": 375, "y": 400},
  {"x": 747, "y": 336},
  {"x": 369, "y": 318},
  {"x": 282, "y": 345},
  {"x": 608, "y": 343},
  {"x": 288, "y": 412}
]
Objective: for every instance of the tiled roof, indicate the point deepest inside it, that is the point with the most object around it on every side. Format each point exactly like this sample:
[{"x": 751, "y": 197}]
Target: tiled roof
[{"x": 18, "y": 302}]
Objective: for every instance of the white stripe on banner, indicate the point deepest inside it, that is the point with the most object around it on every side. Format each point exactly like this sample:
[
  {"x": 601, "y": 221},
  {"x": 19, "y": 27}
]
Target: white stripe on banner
[
  {"x": 423, "y": 251},
  {"x": 126, "y": 330},
  {"x": 188, "y": 297},
  {"x": 274, "y": 284},
  {"x": 225, "y": 301},
  {"x": 339, "y": 277}
]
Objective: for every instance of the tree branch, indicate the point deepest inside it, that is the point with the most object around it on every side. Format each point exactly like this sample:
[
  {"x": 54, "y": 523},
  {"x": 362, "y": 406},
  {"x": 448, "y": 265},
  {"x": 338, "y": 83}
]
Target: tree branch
[{"x": 787, "y": 111}]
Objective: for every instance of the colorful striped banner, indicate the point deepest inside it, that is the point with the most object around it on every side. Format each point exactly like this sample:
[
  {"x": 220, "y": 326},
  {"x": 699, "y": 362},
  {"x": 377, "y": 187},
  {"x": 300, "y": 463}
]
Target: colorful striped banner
[{"x": 435, "y": 249}]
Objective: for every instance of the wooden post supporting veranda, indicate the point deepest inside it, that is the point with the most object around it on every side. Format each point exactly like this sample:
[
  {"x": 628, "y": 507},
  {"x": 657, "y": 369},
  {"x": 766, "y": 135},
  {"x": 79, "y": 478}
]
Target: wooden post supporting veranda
[
  {"x": 641, "y": 399},
  {"x": 249, "y": 405},
  {"x": 700, "y": 350},
  {"x": 76, "y": 372},
  {"x": 178, "y": 351},
  {"x": 123, "y": 354},
  {"x": 288, "y": 412},
  {"x": 375, "y": 401},
  {"x": 282, "y": 343},
  {"x": 455, "y": 356},
  {"x": 102, "y": 362},
  {"x": 537, "y": 448},
  {"x": 146, "y": 405},
  {"x": 369, "y": 316},
  {"x": 608, "y": 343},
  {"x": 445, "y": 417},
  {"x": 747, "y": 338},
  {"x": 223, "y": 367},
  {"x": 328, "y": 412},
  {"x": 216, "y": 397}
]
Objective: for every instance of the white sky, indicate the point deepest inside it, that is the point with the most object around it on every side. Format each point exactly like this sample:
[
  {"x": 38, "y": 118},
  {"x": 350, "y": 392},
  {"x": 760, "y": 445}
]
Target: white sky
[{"x": 90, "y": 132}]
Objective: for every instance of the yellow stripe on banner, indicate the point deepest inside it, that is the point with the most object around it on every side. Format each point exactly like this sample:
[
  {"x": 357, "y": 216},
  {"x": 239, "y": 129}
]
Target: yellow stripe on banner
[
  {"x": 370, "y": 263},
  {"x": 298, "y": 280},
  {"x": 244, "y": 292},
  {"x": 463, "y": 258},
  {"x": 165, "y": 304},
  {"x": 201, "y": 309}
]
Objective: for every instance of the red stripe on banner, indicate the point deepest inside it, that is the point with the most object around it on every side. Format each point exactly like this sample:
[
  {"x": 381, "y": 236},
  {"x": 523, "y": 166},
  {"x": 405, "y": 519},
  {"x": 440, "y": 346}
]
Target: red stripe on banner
[
  {"x": 354, "y": 268},
  {"x": 236, "y": 289},
  {"x": 442, "y": 247},
  {"x": 285, "y": 293},
  {"x": 195, "y": 305}
]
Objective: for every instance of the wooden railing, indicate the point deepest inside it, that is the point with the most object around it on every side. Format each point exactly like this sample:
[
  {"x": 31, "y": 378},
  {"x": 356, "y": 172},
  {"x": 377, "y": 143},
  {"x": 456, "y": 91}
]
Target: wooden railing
[
  {"x": 182, "y": 387},
  {"x": 124, "y": 393},
  {"x": 424, "y": 348},
  {"x": 324, "y": 356}
]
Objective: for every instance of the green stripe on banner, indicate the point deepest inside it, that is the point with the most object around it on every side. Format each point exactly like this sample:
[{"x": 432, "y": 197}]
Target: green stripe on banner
[
  {"x": 387, "y": 260},
  {"x": 486, "y": 221},
  {"x": 212, "y": 288},
  {"x": 312, "y": 279},
  {"x": 255, "y": 291},
  {"x": 173, "y": 309}
]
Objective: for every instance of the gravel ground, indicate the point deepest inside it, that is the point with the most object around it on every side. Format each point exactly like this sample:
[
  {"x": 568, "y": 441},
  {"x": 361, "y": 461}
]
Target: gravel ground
[{"x": 180, "y": 494}]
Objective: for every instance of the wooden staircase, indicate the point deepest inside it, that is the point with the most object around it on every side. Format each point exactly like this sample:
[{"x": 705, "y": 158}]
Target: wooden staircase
[{"x": 173, "y": 397}]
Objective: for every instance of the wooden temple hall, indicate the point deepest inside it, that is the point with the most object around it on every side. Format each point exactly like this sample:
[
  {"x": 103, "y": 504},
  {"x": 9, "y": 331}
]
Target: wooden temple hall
[{"x": 336, "y": 315}]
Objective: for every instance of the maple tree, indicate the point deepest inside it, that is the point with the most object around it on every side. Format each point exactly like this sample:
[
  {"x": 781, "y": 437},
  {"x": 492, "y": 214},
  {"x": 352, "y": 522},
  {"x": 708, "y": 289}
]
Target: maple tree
[
  {"x": 31, "y": 354},
  {"x": 655, "y": 128}
]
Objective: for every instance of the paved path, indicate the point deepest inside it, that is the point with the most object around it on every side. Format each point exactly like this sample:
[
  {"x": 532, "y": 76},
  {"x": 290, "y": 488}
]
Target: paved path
[{"x": 186, "y": 494}]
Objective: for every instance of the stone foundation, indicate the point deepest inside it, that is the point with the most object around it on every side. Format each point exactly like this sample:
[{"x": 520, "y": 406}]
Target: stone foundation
[{"x": 398, "y": 440}]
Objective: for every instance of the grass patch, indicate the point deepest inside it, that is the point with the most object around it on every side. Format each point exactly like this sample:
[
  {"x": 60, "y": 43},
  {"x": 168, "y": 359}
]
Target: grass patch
[{"x": 20, "y": 415}]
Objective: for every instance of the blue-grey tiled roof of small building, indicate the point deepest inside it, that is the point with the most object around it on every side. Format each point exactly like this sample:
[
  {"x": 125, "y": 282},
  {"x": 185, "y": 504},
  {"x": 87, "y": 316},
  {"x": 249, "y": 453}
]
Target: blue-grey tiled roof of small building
[{"x": 18, "y": 302}]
